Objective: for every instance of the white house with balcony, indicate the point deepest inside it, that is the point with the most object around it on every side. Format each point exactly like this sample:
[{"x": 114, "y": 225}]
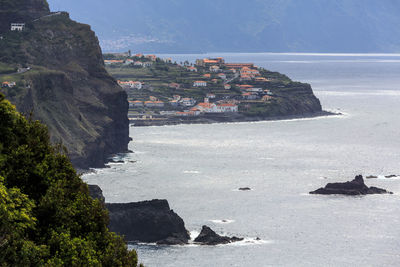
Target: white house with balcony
[
  {"x": 187, "y": 102},
  {"x": 200, "y": 84},
  {"x": 17, "y": 27}
]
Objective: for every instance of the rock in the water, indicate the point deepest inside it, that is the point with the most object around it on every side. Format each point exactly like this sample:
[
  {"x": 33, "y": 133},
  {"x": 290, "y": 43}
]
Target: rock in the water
[
  {"x": 371, "y": 177},
  {"x": 245, "y": 189},
  {"x": 208, "y": 237},
  {"x": 391, "y": 176},
  {"x": 355, "y": 187},
  {"x": 96, "y": 193},
  {"x": 147, "y": 221}
]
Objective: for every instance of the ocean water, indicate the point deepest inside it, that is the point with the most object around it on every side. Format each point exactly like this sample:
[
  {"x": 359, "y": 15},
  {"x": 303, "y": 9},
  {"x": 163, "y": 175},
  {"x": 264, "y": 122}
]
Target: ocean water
[{"x": 199, "y": 168}]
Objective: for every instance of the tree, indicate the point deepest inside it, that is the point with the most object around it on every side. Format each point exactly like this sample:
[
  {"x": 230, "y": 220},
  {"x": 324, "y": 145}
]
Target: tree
[{"x": 47, "y": 216}]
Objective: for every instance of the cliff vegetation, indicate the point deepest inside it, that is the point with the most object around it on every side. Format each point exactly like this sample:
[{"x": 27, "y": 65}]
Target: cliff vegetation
[{"x": 46, "y": 214}]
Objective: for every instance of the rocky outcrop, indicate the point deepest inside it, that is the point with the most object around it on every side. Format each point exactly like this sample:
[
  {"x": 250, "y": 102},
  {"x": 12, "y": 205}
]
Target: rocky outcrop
[
  {"x": 386, "y": 176},
  {"x": 68, "y": 87},
  {"x": 244, "y": 189},
  {"x": 147, "y": 221},
  {"x": 96, "y": 193},
  {"x": 208, "y": 237},
  {"x": 354, "y": 187}
]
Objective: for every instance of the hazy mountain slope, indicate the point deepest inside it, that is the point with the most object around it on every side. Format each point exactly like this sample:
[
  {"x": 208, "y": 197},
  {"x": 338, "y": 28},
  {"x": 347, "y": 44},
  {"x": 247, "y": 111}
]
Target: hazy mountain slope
[{"x": 231, "y": 25}]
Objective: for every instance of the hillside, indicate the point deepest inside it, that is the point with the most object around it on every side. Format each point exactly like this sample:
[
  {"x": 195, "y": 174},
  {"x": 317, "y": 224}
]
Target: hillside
[
  {"x": 181, "y": 26},
  {"x": 210, "y": 90},
  {"x": 62, "y": 79}
]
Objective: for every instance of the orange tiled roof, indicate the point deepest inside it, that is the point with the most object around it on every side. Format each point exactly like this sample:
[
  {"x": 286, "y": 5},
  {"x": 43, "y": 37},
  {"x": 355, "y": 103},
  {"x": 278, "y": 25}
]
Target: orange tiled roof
[{"x": 205, "y": 105}]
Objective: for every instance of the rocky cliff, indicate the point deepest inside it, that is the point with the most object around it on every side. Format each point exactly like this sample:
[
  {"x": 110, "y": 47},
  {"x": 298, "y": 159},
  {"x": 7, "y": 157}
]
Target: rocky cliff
[
  {"x": 146, "y": 221},
  {"x": 66, "y": 85}
]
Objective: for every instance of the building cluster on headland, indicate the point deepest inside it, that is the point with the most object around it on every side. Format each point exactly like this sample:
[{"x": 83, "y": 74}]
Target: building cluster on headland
[{"x": 210, "y": 86}]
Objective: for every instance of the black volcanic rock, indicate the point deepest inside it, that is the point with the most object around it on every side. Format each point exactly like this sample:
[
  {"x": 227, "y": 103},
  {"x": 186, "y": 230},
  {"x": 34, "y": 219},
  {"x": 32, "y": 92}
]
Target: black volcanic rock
[
  {"x": 96, "y": 192},
  {"x": 147, "y": 221},
  {"x": 244, "y": 189},
  {"x": 355, "y": 187},
  {"x": 208, "y": 237}
]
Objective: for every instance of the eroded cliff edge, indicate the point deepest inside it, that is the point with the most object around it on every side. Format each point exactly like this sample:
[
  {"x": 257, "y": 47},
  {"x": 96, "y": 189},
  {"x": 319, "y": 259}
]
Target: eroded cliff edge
[{"x": 66, "y": 85}]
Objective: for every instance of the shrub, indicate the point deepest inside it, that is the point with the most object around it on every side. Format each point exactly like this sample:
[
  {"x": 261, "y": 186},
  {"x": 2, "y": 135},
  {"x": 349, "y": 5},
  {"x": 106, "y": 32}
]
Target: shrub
[{"x": 46, "y": 214}]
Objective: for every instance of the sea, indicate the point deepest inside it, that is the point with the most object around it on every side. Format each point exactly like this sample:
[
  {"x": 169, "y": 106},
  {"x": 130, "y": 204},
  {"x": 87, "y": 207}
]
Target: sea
[{"x": 199, "y": 168}]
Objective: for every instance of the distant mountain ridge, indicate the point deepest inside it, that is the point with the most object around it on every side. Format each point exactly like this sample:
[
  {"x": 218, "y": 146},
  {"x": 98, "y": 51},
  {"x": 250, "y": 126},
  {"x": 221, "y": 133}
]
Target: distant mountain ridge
[{"x": 181, "y": 26}]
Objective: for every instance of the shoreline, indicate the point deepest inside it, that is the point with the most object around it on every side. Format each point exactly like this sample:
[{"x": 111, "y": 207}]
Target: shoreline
[
  {"x": 224, "y": 118},
  {"x": 210, "y": 119}
]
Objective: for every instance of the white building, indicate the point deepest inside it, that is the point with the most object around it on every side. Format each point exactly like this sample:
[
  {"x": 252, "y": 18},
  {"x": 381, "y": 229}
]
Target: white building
[
  {"x": 210, "y": 96},
  {"x": 147, "y": 64},
  {"x": 200, "y": 84},
  {"x": 228, "y": 107},
  {"x": 17, "y": 26},
  {"x": 214, "y": 69},
  {"x": 254, "y": 90},
  {"x": 128, "y": 61},
  {"x": 131, "y": 84},
  {"x": 187, "y": 102},
  {"x": 220, "y": 108},
  {"x": 207, "y": 107}
]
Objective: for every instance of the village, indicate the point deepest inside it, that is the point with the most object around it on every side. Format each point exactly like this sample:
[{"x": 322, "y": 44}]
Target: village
[{"x": 208, "y": 86}]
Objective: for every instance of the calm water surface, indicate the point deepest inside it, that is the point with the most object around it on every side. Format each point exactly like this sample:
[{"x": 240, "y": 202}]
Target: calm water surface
[{"x": 199, "y": 167}]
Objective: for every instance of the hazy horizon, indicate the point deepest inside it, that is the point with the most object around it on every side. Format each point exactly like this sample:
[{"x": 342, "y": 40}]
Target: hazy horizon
[{"x": 340, "y": 26}]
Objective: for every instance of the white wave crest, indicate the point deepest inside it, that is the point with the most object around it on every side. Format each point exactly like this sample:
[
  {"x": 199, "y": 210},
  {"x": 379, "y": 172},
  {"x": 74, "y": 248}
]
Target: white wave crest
[{"x": 223, "y": 221}]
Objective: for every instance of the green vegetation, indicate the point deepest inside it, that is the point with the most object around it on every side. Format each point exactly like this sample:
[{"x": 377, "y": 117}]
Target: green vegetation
[
  {"x": 7, "y": 69},
  {"x": 159, "y": 75},
  {"x": 47, "y": 217}
]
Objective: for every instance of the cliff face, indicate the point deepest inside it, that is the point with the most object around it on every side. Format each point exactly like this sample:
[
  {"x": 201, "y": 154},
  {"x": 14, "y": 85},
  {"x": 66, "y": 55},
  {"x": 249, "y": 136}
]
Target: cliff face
[
  {"x": 67, "y": 86},
  {"x": 147, "y": 221}
]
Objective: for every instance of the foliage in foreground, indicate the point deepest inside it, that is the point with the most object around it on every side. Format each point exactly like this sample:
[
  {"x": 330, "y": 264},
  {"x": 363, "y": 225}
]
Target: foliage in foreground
[{"x": 47, "y": 217}]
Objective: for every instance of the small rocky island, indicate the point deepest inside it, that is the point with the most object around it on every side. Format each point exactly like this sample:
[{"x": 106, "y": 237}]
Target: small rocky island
[
  {"x": 208, "y": 237},
  {"x": 354, "y": 187}
]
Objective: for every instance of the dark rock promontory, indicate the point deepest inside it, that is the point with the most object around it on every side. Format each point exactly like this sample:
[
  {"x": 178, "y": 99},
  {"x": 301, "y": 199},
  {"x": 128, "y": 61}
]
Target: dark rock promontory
[
  {"x": 147, "y": 221},
  {"x": 96, "y": 193},
  {"x": 208, "y": 237},
  {"x": 355, "y": 187}
]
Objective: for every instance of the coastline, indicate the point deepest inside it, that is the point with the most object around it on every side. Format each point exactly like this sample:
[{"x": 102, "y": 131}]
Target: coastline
[{"x": 223, "y": 118}]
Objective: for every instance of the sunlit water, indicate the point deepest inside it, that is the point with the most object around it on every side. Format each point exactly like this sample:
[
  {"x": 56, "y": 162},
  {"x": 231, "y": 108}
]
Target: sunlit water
[{"x": 199, "y": 168}]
